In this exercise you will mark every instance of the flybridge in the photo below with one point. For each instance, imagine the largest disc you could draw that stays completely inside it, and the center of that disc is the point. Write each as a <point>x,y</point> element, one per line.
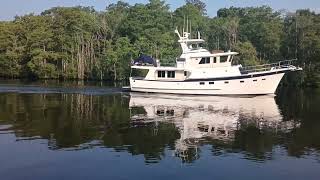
<point>188,44</point>
<point>192,50</point>
<point>195,56</point>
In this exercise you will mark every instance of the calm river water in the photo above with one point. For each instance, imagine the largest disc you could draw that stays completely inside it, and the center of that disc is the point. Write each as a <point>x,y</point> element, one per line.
<point>76,131</point>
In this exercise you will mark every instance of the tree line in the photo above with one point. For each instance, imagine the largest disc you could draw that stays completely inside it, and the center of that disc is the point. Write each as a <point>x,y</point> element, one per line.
<point>82,43</point>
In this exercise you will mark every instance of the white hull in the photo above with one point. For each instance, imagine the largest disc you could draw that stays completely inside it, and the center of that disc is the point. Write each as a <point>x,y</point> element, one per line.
<point>266,84</point>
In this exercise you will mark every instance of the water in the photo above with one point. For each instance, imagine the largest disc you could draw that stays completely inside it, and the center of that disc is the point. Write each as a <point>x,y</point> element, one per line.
<point>72,131</point>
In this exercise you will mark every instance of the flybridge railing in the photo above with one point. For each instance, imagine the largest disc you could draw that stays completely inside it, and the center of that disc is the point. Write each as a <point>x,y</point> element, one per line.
<point>267,67</point>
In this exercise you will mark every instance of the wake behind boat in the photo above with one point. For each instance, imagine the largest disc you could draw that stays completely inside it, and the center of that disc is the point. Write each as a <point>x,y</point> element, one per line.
<point>198,71</point>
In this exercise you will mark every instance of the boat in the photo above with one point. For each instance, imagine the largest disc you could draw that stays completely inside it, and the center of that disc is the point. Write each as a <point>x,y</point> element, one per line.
<point>199,71</point>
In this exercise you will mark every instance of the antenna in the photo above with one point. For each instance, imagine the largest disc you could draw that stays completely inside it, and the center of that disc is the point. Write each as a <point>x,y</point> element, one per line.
<point>177,32</point>
<point>187,23</point>
<point>184,24</point>
<point>190,30</point>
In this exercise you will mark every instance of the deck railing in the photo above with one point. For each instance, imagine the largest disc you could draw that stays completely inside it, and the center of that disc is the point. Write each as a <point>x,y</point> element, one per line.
<point>267,67</point>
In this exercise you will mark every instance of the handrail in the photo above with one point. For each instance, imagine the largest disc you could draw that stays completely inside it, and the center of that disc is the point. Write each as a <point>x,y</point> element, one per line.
<point>266,67</point>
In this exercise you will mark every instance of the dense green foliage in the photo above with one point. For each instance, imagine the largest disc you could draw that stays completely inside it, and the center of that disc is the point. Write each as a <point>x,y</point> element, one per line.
<point>81,43</point>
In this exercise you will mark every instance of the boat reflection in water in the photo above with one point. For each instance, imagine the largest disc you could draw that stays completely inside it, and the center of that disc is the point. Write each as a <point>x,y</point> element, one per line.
<point>204,119</point>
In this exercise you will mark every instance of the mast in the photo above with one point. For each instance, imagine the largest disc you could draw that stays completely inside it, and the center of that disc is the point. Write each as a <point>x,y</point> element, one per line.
<point>187,24</point>
<point>184,24</point>
<point>190,30</point>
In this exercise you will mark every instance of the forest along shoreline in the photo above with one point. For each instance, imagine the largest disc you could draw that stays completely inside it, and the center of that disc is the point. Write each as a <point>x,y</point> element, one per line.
<point>80,43</point>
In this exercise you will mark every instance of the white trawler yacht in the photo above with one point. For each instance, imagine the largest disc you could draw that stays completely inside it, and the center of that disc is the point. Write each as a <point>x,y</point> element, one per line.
<point>198,71</point>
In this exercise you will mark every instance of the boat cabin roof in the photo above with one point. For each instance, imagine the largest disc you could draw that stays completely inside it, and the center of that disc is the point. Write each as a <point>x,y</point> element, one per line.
<point>224,54</point>
<point>159,68</point>
<point>208,54</point>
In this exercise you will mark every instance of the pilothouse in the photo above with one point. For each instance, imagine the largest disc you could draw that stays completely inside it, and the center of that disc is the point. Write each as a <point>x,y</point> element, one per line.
<point>199,71</point>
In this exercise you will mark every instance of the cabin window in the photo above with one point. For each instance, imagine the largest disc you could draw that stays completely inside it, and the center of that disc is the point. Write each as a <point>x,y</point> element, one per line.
<point>255,80</point>
<point>263,79</point>
<point>223,59</point>
<point>171,74</point>
<point>214,59</point>
<point>241,81</point>
<point>205,60</point>
<point>195,46</point>
<point>181,59</point>
<point>161,74</point>
<point>201,83</point>
<point>185,73</point>
<point>231,58</point>
<point>211,82</point>
<point>226,82</point>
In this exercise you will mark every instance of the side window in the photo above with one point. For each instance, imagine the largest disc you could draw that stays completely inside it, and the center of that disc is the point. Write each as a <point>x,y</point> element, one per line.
<point>223,59</point>
<point>171,74</point>
<point>185,73</point>
<point>205,60</point>
<point>161,74</point>
<point>214,59</point>
<point>208,60</point>
<point>231,58</point>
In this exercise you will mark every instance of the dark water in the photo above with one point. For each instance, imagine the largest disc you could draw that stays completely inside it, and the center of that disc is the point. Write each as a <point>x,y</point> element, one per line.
<point>97,132</point>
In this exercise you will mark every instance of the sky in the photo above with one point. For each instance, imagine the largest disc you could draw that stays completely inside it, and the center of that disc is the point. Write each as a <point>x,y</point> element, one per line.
<point>11,8</point>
